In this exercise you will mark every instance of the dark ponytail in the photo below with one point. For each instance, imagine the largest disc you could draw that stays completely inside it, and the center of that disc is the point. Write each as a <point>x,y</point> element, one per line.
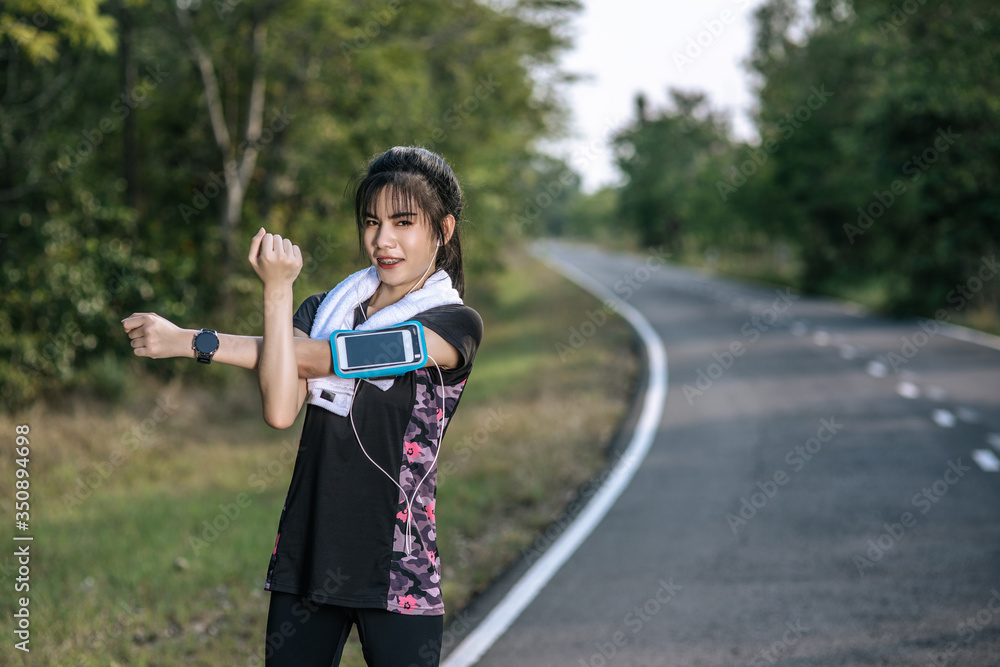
<point>417,176</point>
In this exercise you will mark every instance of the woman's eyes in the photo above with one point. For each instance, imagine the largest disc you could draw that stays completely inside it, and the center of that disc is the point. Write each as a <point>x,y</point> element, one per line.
<point>404,223</point>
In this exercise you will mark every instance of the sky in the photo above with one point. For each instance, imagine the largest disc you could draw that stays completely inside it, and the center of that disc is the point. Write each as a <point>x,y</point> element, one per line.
<point>624,47</point>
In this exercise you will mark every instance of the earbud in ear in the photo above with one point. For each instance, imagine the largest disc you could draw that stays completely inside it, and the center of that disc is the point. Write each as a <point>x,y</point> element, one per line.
<point>439,242</point>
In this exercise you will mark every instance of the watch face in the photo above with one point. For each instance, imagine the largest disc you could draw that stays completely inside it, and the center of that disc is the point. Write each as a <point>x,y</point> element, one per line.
<point>206,342</point>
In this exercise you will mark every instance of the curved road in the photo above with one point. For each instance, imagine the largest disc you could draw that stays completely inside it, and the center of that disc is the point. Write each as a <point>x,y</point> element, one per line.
<point>821,489</point>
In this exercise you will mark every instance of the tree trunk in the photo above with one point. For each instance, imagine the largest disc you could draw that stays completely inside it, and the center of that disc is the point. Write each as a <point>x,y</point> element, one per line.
<point>130,160</point>
<point>238,168</point>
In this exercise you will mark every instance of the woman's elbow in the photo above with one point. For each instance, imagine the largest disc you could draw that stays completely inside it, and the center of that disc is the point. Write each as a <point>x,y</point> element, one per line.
<point>278,419</point>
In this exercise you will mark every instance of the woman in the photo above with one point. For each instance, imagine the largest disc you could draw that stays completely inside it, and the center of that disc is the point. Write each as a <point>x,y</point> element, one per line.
<point>356,540</point>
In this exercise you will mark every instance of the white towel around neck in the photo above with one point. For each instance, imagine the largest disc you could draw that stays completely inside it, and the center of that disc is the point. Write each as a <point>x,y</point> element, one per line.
<point>337,312</point>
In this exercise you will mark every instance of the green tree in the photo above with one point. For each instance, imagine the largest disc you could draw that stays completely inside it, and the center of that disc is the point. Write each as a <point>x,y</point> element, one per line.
<point>670,161</point>
<point>35,29</point>
<point>128,180</point>
<point>891,184</point>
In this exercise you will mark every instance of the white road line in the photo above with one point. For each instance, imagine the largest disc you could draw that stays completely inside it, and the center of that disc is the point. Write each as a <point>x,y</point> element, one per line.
<point>848,352</point>
<point>994,440</point>
<point>943,418</point>
<point>936,393</point>
<point>877,369</point>
<point>987,460</point>
<point>527,588</point>
<point>971,335</point>
<point>908,390</point>
<point>968,415</point>
<point>821,338</point>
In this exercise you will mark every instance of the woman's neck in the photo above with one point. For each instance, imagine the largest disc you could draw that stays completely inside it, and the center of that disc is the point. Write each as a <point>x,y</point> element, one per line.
<point>386,295</point>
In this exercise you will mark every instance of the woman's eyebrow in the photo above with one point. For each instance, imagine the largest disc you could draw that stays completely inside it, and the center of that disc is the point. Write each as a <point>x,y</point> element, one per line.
<point>402,214</point>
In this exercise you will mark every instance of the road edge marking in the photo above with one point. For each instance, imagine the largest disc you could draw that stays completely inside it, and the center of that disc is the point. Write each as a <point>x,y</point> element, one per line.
<point>974,336</point>
<point>503,615</point>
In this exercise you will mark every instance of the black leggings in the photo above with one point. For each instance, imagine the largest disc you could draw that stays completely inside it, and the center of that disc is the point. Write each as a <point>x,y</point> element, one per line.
<point>303,633</point>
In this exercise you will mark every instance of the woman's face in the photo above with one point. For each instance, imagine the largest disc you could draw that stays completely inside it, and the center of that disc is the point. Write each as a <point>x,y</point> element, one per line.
<point>400,241</point>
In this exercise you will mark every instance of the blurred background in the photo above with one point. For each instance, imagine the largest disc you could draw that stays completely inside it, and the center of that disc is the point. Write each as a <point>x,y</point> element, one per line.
<point>848,149</point>
<point>144,142</point>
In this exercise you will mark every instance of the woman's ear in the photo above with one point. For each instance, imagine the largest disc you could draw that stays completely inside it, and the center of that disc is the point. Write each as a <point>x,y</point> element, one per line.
<point>447,228</point>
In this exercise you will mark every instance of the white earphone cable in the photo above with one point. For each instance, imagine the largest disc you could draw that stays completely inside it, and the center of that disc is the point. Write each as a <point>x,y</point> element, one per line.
<point>410,499</point>
<point>350,414</point>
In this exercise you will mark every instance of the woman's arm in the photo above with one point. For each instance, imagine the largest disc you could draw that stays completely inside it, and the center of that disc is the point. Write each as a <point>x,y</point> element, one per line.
<point>278,262</point>
<point>438,349</point>
<point>158,338</point>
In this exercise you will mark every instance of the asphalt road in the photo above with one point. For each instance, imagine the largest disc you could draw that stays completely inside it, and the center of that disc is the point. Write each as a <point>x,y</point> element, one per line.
<point>818,492</point>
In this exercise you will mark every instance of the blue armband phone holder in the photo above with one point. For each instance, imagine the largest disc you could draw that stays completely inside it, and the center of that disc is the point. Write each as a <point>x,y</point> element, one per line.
<point>390,351</point>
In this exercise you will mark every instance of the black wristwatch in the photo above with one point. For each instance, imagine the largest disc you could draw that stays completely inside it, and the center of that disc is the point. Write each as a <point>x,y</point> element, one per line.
<point>205,344</point>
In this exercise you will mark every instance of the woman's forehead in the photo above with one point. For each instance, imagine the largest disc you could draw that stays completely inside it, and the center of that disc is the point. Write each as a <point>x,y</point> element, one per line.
<point>392,200</point>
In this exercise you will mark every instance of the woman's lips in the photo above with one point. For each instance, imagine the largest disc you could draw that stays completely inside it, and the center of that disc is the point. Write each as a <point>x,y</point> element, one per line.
<point>388,262</point>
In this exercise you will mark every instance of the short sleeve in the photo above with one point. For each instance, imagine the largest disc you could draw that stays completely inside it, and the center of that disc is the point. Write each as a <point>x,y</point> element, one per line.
<point>462,328</point>
<point>304,316</point>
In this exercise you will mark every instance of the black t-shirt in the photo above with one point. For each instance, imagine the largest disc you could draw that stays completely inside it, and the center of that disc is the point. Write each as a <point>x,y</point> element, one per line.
<point>345,536</point>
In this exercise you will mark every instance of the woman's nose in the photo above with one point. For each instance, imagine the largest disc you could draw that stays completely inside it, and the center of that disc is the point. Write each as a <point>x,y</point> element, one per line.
<point>384,238</point>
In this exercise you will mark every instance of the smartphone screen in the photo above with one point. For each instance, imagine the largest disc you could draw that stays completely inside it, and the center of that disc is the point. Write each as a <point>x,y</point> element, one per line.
<point>383,352</point>
<point>375,349</point>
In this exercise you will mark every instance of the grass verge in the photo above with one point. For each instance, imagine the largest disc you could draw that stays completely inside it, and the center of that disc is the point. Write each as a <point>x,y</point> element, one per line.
<point>153,520</point>
<point>777,265</point>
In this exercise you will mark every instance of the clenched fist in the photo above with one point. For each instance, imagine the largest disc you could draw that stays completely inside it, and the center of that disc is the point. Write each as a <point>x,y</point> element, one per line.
<point>276,260</point>
<point>156,337</point>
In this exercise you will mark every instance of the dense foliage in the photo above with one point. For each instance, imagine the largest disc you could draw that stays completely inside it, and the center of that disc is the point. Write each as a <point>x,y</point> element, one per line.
<point>878,165</point>
<point>143,143</point>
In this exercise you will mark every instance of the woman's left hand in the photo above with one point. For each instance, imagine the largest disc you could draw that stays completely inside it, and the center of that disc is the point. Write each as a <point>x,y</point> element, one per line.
<point>276,260</point>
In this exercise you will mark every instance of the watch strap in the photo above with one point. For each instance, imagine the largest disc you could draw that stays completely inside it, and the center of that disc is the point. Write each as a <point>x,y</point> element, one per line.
<point>205,357</point>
